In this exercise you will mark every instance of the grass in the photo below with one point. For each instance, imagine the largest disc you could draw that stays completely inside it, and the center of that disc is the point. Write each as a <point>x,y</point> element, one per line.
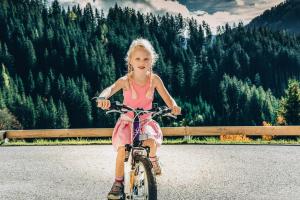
<point>68,141</point>
<point>216,140</point>
<point>179,140</point>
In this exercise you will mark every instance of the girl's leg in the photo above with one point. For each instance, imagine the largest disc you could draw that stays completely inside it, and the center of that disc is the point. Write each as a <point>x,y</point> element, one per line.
<point>120,163</point>
<point>116,191</point>
<point>152,155</point>
<point>152,144</point>
<point>121,156</point>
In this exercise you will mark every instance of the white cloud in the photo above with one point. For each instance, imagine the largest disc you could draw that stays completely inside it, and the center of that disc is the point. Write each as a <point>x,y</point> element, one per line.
<point>244,10</point>
<point>240,2</point>
<point>219,18</point>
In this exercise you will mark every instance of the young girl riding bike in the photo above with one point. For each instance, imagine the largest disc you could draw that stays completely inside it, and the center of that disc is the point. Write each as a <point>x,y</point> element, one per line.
<point>138,91</point>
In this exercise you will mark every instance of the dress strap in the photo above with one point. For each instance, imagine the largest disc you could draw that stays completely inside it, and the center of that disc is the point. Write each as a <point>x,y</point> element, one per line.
<point>149,93</point>
<point>133,92</point>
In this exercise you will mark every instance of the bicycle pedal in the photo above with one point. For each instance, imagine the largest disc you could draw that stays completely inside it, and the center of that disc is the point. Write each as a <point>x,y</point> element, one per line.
<point>121,198</point>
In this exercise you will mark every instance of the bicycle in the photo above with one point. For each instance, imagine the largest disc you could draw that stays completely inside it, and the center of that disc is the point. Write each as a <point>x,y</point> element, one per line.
<point>139,176</point>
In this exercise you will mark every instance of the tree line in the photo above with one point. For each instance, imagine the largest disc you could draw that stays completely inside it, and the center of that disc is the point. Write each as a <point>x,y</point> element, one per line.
<point>54,60</point>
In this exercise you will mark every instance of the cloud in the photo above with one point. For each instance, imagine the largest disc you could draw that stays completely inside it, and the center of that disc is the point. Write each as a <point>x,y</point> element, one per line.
<point>240,2</point>
<point>232,11</point>
<point>214,12</point>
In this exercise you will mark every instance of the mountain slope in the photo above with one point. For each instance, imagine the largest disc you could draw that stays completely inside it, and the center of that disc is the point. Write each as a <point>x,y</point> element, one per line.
<point>285,16</point>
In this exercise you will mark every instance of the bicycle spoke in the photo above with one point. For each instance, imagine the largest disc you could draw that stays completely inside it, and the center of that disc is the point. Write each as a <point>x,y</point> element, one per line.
<point>141,183</point>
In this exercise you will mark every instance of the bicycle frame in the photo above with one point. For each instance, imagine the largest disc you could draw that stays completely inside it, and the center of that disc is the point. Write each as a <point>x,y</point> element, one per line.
<point>135,148</point>
<point>131,150</point>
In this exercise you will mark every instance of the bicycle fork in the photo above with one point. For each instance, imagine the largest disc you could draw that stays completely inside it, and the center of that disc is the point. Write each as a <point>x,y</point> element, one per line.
<point>128,172</point>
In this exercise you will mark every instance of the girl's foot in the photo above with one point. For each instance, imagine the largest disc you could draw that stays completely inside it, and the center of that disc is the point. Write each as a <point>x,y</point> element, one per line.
<point>116,191</point>
<point>156,165</point>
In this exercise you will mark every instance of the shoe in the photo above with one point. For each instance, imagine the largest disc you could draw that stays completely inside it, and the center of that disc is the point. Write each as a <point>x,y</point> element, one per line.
<point>156,166</point>
<point>116,191</point>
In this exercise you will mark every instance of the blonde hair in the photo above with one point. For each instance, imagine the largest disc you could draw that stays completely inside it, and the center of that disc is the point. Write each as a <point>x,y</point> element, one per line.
<point>144,43</point>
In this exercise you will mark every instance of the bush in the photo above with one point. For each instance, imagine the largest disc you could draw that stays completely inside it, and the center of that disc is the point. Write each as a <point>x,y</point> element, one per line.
<point>8,121</point>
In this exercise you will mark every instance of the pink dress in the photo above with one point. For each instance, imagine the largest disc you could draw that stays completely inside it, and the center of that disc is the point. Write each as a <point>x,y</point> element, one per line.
<point>122,133</point>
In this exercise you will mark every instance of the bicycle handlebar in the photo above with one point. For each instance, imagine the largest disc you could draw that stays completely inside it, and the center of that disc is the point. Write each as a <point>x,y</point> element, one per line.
<point>120,108</point>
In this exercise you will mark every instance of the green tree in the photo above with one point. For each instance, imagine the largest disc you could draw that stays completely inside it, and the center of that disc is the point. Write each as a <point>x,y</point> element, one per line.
<point>42,113</point>
<point>30,83</point>
<point>4,79</point>
<point>52,114</point>
<point>178,79</point>
<point>290,103</point>
<point>25,112</point>
<point>2,102</point>
<point>62,116</point>
<point>47,85</point>
<point>29,55</point>
<point>8,120</point>
<point>40,83</point>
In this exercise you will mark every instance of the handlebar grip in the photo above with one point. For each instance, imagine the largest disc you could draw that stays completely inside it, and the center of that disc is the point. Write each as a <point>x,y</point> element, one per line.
<point>115,104</point>
<point>167,110</point>
<point>118,106</point>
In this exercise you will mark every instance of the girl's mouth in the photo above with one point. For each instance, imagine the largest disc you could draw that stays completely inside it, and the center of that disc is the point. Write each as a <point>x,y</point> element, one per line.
<point>141,67</point>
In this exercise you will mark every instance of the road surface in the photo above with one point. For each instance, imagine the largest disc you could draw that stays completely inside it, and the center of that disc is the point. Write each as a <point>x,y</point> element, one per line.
<point>189,172</point>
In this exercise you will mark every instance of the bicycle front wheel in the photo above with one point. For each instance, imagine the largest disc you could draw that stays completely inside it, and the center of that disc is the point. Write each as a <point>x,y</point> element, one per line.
<point>144,187</point>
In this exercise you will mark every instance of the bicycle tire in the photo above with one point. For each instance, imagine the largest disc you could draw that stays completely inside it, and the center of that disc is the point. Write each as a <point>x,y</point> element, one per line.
<point>152,185</point>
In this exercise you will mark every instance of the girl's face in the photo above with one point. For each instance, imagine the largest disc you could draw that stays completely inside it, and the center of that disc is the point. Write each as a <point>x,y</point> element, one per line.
<point>140,60</point>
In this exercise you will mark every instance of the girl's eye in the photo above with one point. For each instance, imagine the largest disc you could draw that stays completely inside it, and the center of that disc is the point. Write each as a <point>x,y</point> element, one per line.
<point>146,59</point>
<point>137,58</point>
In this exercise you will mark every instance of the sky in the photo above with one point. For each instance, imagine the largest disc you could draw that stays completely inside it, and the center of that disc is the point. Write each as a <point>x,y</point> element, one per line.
<point>214,12</point>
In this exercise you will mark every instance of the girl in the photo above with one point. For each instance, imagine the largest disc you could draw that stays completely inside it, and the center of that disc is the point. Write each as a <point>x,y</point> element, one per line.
<point>138,91</point>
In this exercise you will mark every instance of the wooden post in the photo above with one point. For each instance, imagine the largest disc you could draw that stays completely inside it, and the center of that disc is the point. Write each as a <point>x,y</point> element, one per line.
<point>2,136</point>
<point>187,136</point>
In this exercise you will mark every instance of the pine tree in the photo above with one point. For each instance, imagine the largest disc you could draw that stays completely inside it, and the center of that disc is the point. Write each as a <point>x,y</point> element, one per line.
<point>19,84</point>
<point>85,109</point>
<point>56,9</point>
<point>47,88</point>
<point>61,87</point>
<point>30,83</point>
<point>6,58</point>
<point>2,102</point>
<point>62,116</point>
<point>42,114</point>
<point>52,115</point>
<point>4,79</point>
<point>178,79</point>
<point>29,55</point>
<point>26,113</point>
<point>40,83</point>
<point>290,104</point>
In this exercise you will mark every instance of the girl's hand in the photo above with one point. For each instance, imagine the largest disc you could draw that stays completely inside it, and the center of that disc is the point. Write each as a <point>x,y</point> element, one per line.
<point>176,110</point>
<point>103,104</point>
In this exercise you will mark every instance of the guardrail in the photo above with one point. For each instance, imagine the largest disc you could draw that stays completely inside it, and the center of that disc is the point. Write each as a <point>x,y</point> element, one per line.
<point>167,131</point>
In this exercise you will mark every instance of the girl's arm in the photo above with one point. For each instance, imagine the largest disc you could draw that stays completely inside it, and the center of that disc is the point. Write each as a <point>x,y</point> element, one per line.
<point>111,90</point>
<point>108,92</point>
<point>163,92</point>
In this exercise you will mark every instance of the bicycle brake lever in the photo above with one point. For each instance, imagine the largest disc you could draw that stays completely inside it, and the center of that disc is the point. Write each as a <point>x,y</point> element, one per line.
<point>170,115</point>
<point>97,98</point>
<point>110,111</point>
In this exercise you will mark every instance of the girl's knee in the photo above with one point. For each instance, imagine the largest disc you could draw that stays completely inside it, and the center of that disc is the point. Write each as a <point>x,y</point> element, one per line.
<point>121,150</point>
<point>149,142</point>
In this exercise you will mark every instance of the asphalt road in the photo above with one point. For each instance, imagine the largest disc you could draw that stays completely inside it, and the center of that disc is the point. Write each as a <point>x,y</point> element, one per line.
<point>189,172</point>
